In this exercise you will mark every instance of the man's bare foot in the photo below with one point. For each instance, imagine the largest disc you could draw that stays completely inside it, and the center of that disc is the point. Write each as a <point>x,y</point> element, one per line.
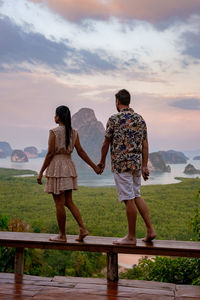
<point>125,241</point>
<point>82,235</point>
<point>150,236</point>
<point>58,238</point>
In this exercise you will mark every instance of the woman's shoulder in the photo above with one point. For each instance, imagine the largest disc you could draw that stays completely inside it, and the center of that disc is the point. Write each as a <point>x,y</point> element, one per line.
<point>57,129</point>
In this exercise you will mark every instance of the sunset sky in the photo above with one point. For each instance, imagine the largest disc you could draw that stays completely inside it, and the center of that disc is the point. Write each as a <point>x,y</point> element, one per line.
<point>80,53</point>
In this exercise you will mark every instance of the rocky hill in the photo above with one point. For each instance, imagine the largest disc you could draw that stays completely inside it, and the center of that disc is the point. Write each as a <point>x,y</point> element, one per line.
<point>18,156</point>
<point>91,133</point>
<point>31,152</point>
<point>173,157</point>
<point>157,164</point>
<point>5,149</point>
<point>190,170</point>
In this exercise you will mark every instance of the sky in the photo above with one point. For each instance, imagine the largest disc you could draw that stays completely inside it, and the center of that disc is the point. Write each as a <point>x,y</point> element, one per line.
<point>80,53</point>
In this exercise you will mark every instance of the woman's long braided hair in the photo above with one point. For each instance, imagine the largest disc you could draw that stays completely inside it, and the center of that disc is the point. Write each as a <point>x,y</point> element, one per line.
<point>64,115</point>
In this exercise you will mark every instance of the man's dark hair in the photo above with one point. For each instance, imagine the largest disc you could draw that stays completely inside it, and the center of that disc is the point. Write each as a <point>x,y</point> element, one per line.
<point>124,97</point>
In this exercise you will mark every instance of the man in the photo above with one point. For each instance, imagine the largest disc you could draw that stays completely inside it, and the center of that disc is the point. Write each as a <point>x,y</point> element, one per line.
<point>126,134</point>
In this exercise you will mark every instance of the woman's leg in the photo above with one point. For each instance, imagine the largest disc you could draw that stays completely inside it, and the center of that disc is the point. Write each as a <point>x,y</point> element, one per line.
<point>76,214</point>
<point>61,216</point>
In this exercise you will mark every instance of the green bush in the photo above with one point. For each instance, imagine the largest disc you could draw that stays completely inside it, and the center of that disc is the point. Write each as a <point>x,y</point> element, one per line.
<point>179,270</point>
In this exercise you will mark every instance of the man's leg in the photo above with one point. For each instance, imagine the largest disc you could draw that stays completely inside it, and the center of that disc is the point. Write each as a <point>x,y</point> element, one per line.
<point>143,210</point>
<point>61,217</point>
<point>131,213</point>
<point>76,214</point>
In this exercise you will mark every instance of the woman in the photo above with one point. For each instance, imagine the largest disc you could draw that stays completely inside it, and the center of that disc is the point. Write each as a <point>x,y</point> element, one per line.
<point>61,175</point>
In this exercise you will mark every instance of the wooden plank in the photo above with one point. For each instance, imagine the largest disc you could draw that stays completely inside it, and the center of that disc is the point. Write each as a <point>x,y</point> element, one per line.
<point>64,279</point>
<point>187,292</point>
<point>147,284</point>
<point>100,244</point>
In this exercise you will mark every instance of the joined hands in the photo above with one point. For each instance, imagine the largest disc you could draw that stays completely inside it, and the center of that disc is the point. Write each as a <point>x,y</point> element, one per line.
<point>98,170</point>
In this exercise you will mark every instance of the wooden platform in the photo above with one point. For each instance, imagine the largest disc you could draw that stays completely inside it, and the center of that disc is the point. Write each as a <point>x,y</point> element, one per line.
<point>100,244</point>
<point>72,288</point>
<point>21,240</point>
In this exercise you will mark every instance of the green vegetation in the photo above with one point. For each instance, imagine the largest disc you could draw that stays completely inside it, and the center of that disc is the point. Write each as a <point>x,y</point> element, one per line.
<point>179,270</point>
<point>171,208</point>
<point>7,173</point>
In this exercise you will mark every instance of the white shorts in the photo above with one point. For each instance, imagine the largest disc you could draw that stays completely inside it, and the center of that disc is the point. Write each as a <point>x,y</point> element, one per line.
<point>128,184</point>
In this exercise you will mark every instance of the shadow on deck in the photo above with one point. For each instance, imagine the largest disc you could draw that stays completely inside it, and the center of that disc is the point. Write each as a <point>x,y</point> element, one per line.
<point>76,288</point>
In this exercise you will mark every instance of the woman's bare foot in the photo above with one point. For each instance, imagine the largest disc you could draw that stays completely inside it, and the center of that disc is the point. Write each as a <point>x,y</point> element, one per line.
<point>125,241</point>
<point>82,235</point>
<point>150,236</point>
<point>58,238</point>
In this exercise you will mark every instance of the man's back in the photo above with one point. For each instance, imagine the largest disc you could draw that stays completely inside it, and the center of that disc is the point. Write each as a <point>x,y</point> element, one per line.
<point>126,131</point>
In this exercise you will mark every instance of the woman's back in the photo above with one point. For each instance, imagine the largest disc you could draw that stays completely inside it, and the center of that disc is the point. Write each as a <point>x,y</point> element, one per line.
<point>60,140</point>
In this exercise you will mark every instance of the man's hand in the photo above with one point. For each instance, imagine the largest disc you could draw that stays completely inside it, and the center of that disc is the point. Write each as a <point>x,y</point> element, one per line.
<point>39,178</point>
<point>101,165</point>
<point>145,173</point>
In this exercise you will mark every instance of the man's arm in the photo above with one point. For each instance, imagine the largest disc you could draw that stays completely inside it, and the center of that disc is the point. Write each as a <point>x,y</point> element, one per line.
<point>104,152</point>
<point>145,156</point>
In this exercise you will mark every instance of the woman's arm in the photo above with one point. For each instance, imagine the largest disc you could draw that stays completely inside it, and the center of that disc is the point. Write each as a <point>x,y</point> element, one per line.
<point>48,157</point>
<point>84,156</point>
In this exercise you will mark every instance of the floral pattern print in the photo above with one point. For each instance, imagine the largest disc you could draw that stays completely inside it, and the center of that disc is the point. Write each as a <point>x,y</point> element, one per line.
<point>126,131</point>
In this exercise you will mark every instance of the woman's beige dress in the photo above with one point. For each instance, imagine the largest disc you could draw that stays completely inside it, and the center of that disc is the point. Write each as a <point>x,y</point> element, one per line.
<point>61,173</point>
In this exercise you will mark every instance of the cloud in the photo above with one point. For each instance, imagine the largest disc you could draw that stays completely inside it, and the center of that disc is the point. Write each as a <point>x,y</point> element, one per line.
<point>150,10</point>
<point>187,104</point>
<point>18,46</point>
<point>191,44</point>
<point>95,45</point>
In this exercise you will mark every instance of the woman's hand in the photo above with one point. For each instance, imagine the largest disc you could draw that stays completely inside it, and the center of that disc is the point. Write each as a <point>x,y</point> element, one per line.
<point>39,178</point>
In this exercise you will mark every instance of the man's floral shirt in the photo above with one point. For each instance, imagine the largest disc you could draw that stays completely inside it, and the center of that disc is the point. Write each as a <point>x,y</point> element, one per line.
<point>126,131</point>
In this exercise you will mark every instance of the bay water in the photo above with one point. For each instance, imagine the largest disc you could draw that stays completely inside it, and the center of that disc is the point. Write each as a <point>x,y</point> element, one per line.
<point>89,178</point>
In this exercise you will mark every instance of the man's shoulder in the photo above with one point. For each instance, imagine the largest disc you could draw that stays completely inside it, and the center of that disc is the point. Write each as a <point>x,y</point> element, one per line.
<point>138,116</point>
<point>121,114</point>
<point>116,116</point>
<point>113,117</point>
